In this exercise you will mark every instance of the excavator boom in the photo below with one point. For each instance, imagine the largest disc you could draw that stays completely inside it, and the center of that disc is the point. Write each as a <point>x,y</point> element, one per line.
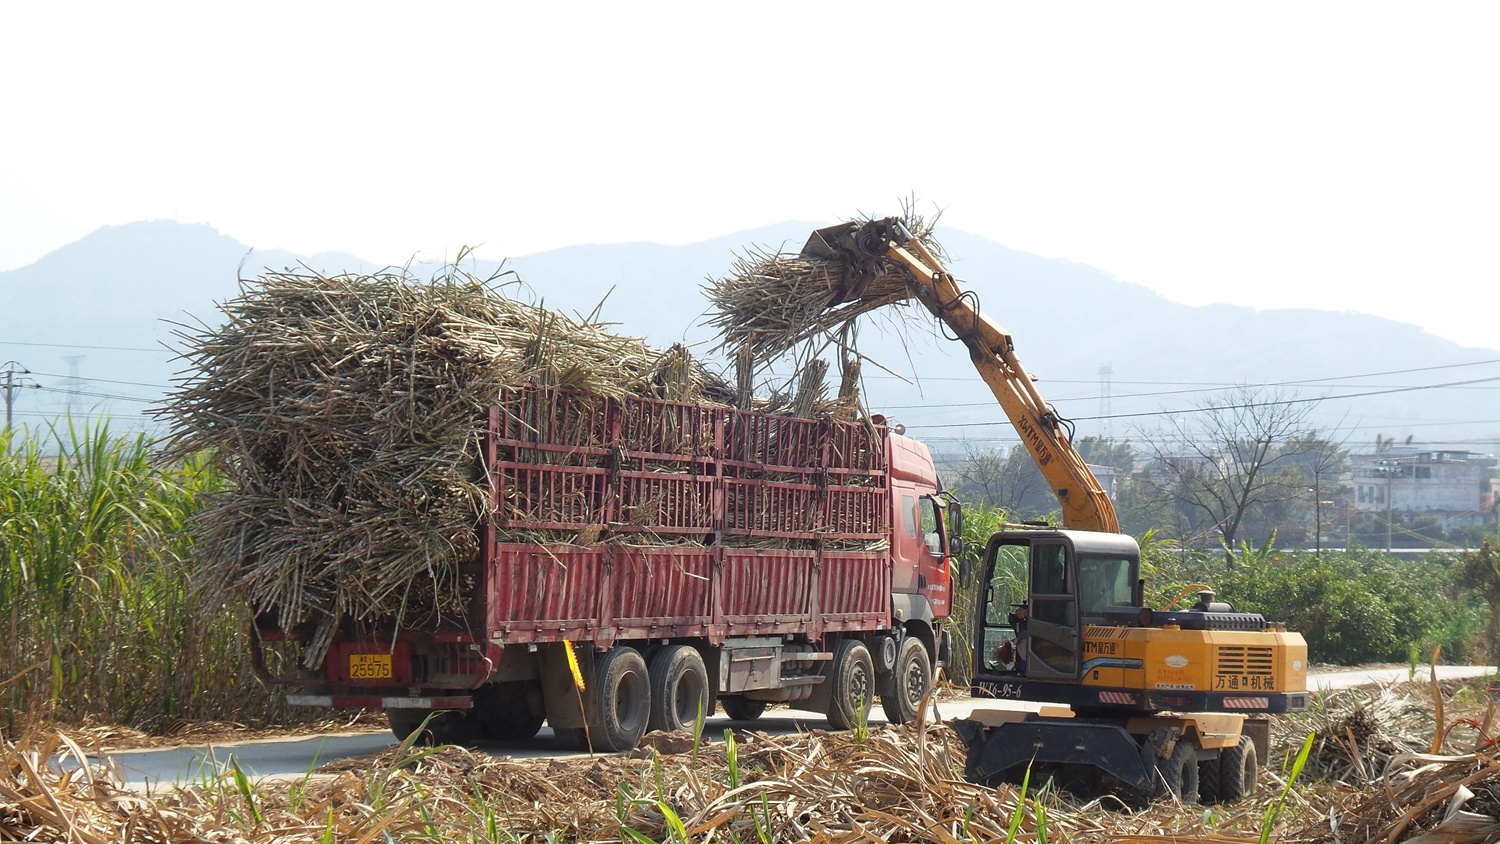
<point>863,247</point>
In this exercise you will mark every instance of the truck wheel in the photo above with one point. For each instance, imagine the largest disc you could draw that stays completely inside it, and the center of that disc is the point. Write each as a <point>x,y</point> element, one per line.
<point>913,681</point>
<point>443,728</point>
<point>1238,770</point>
<point>852,682</point>
<point>741,708</point>
<point>1179,772</point>
<point>404,722</point>
<point>679,689</point>
<point>621,700</point>
<point>511,711</point>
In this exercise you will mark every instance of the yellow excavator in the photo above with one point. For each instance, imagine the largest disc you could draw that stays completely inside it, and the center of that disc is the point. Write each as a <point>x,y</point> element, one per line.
<point>1135,701</point>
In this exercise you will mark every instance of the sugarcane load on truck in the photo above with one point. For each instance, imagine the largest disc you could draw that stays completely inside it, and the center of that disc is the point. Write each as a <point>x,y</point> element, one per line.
<point>442,499</point>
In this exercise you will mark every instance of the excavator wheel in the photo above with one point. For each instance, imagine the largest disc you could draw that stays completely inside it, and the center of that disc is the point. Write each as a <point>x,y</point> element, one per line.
<point>1238,770</point>
<point>1230,776</point>
<point>1179,771</point>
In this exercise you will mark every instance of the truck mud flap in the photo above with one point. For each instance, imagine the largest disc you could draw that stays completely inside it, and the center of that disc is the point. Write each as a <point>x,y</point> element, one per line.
<point>1003,752</point>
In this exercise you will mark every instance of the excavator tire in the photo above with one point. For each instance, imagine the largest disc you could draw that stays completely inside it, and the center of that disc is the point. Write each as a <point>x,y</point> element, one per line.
<point>1238,770</point>
<point>1208,780</point>
<point>1179,771</point>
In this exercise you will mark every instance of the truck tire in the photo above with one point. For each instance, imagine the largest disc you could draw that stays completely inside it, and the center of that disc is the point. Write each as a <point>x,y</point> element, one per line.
<point>679,689</point>
<point>443,728</point>
<point>1179,771</point>
<point>620,701</point>
<point>913,682</point>
<point>511,711</point>
<point>741,708</point>
<point>1238,770</point>
<point>852,685</point>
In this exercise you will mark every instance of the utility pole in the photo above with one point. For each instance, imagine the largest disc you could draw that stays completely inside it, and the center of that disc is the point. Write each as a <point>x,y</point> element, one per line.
<point>14,383</point>
<point>1389,468</point>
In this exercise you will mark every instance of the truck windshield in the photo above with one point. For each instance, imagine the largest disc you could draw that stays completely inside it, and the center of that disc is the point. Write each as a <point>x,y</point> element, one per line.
<point>1103,582</point>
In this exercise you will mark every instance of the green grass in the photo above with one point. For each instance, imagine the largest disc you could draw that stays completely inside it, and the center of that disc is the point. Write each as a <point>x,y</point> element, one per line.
<point>100,614</point>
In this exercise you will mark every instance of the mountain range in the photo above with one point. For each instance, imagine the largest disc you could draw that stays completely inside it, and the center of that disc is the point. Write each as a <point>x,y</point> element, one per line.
<point>94,323</point>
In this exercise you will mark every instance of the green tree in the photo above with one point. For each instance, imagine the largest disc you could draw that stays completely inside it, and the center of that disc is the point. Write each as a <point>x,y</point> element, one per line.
<point>1481,572</point>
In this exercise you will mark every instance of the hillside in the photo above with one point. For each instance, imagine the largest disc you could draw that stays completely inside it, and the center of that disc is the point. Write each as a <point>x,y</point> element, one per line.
<point>112,296</point>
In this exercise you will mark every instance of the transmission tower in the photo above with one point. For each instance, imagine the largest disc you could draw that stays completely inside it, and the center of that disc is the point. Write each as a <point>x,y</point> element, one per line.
<point>1106,372</point>
<point>73,385</point>
<point>14,379</point>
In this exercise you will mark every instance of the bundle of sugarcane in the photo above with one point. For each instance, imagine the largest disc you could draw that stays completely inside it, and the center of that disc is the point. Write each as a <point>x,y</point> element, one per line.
<point>347,414</point>
<point>773,301</point>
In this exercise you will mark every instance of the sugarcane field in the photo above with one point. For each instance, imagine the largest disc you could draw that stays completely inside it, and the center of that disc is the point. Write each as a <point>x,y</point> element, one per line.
<point>435,511</point>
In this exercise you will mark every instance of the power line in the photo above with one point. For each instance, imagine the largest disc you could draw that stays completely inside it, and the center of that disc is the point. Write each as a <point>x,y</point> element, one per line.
<point>1245,406</point>
<point>109,381</point>
<point>74,346</point>
<point>97,395</point>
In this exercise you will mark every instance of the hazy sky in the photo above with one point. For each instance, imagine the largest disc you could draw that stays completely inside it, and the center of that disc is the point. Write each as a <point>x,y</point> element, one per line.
<point>1327,155</point>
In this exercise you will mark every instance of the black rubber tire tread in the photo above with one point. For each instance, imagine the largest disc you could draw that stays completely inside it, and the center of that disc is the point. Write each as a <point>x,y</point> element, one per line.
<point>511,711</point>
<point>1238,771</point>
<point>675,672</point>
<point>853,682</point>
<point>574,738</point>
<point>741,708</point>
<point>911,662</point>
<point>443,728</point>
<point>1208,781</point>
<point>404,722</point>
<point>1179,771</point>
<point>620,700</point>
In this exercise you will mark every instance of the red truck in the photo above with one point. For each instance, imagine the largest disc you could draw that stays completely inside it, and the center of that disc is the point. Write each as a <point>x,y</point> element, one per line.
<point>687,555</point>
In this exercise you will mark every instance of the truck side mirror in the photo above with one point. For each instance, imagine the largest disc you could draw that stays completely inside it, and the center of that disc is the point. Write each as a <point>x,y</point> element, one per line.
<point>956,533</point>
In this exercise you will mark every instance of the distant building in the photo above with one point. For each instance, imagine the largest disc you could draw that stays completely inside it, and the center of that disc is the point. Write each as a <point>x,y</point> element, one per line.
<point>1453,487</point>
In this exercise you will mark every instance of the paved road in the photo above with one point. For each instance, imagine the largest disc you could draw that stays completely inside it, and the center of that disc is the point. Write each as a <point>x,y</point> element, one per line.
<point>291,758</point>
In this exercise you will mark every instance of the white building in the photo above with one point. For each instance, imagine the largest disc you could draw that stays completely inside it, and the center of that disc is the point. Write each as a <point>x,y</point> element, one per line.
<point>1453,487</point>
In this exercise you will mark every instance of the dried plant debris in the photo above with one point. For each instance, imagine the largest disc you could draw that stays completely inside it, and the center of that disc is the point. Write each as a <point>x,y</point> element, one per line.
<point>891,784</point>
<point>770,302</point>
<point>883,784</point>
<point>347,413</point>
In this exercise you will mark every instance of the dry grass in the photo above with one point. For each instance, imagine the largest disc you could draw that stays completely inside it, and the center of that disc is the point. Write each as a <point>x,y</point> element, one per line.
<point>892,784</point>
<point>770,302</point>
<point>347,413</point>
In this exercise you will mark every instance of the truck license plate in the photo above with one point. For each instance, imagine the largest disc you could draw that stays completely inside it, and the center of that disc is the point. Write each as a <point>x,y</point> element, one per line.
<point>369,666</point>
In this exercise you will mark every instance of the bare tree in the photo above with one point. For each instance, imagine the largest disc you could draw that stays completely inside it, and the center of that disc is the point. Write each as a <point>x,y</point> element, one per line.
<point>1229,458</point>
<point>1011,482</point>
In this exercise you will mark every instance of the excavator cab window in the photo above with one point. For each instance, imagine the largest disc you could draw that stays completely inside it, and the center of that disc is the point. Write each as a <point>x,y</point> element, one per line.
<point>1004,598</point>
<point>1104,582</point>
<point>1049,635</point>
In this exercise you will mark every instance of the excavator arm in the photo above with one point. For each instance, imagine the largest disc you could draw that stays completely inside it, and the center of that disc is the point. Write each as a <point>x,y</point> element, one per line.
<point>864,247</point>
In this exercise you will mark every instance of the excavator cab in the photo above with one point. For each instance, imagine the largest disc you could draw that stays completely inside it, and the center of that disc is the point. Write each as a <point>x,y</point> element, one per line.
<point>1041,589</point>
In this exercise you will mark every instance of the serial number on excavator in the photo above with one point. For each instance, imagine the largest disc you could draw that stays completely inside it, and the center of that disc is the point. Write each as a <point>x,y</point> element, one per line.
<point>1244,682</point>
<point>369,666</point>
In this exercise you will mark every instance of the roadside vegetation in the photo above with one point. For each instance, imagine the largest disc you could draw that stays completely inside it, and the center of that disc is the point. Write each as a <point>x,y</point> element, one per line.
<point>101,621</point>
